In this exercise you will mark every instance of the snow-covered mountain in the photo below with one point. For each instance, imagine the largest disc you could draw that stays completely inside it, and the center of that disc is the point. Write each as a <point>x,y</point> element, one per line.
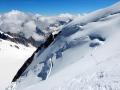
<point>32,28</point>
<point>20,34</point>
<point>84,55</point>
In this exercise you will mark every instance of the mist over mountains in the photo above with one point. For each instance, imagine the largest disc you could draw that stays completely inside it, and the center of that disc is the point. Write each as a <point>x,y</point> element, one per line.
<point>32,28</point>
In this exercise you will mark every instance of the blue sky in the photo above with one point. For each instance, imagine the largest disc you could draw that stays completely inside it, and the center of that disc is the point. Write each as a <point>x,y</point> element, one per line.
<point>53,7</point>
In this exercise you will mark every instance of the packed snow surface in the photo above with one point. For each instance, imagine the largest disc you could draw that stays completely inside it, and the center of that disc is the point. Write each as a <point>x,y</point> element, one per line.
<point>12,56</point>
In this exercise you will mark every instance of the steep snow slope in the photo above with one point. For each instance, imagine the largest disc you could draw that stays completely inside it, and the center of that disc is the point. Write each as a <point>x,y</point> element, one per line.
<point>84,56</point>
<point>12,56</point>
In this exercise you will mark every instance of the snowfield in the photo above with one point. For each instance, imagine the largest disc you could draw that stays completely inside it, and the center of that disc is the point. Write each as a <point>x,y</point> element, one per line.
<point>84,56</point>
<point>12,56</point>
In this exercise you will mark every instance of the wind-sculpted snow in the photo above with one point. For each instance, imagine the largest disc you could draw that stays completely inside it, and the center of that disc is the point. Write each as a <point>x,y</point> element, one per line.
<point>88,46</point>
<point>96,15</point>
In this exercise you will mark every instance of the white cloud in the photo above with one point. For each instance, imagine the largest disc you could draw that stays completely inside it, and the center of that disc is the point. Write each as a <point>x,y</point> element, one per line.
<point>16,21</point>
<point>29,28</point>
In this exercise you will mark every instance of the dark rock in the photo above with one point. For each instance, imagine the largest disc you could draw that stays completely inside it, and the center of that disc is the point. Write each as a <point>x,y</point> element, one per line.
<point>3,36</point>
<point>16,47</point>
<point>40,49</point>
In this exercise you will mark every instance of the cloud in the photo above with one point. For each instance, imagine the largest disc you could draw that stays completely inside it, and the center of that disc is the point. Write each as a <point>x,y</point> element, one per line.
<point>19,22</point>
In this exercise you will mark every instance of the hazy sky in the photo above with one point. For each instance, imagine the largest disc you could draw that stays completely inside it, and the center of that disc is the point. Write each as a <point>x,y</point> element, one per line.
<point>52,7</point>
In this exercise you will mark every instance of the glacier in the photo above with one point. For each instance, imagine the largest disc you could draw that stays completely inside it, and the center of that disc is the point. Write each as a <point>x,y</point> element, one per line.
<point>84,55</point>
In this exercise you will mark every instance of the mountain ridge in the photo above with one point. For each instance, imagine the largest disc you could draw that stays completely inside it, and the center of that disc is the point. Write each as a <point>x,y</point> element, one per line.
<point>83,47</point>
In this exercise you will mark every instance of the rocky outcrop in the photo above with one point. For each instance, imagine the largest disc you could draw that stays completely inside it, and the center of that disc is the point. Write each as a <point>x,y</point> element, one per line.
<point>40,49</point>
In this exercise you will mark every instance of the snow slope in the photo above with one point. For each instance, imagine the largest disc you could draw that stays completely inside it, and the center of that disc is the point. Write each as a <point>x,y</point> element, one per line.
<point>84,56</point>
<point>12,56</point>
